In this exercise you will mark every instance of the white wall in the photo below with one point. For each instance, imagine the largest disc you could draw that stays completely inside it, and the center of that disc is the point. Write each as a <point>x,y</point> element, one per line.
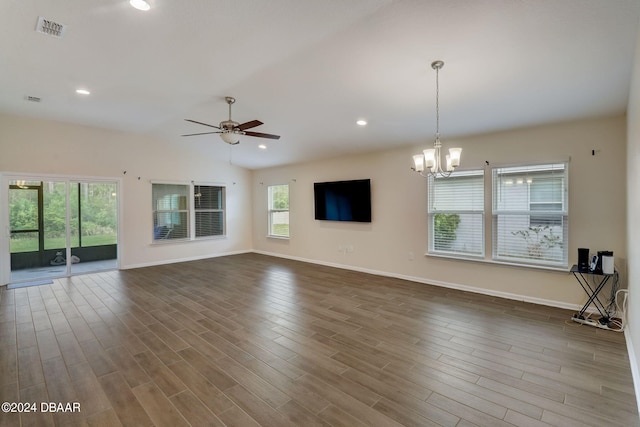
<point>633,223</point>
<point>395,241</point>
<point>34,147</point>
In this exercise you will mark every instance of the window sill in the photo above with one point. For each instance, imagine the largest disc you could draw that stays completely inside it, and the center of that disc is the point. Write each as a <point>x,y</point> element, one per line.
<point>497,262</point>
<point>168,241</point>
<point>195,239</point>
<point>199,239</point>
<point>271,236</point>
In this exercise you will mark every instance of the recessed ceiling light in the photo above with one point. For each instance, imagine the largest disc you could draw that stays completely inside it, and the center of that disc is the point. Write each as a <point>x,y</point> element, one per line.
<point>262,147</point>
<point>140,4</point>
<point>83,92</point>
<point>361,122</point>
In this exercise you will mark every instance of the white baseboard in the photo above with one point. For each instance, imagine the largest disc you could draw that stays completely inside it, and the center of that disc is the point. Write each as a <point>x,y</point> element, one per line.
<point>173,261</point>
<point>457,286</point>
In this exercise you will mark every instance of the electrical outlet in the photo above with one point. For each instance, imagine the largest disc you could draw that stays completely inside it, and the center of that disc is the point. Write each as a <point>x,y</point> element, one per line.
<point>411,256</point>
<point>349,249</point>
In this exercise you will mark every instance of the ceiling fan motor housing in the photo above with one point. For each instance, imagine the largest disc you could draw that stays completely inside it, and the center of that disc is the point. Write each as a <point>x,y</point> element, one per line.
<point>229,125</point>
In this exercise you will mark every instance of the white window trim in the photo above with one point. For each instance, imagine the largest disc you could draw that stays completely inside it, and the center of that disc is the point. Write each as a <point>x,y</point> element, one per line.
<point>271,211</point>
<point>546,265</point>
<point>489,226</point>
<point>453,254</point>
<point>155,241</point>
<point>223,210</point>
<point>192,213</point>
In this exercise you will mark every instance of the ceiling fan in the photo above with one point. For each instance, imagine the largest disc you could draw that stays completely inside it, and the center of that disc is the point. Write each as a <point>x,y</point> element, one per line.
<point>230,130</point>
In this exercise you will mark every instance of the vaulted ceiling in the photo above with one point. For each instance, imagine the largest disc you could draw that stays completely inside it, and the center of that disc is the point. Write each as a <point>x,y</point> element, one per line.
<point>310,69</point>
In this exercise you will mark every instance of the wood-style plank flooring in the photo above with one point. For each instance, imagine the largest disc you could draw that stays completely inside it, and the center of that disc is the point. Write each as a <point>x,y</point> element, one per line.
<point>251,340</point>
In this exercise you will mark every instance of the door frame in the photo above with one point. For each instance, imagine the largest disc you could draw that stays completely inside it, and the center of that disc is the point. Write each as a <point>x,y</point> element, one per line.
<point>5,231</point>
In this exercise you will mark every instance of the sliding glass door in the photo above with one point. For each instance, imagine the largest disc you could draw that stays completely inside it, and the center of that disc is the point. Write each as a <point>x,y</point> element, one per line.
<point>94,226</point>
<point>61,227</point>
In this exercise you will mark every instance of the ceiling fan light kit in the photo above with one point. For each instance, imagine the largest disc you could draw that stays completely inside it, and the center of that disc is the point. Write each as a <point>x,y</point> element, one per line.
<point>230,130</point>
<point>430,158</point>
<point>230,137</point>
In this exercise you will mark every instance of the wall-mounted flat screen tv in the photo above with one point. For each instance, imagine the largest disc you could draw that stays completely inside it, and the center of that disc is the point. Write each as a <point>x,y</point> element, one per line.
<point>343,200</point>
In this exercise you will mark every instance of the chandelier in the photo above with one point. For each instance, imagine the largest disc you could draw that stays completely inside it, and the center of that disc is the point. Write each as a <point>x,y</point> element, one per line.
<point>430,158</point>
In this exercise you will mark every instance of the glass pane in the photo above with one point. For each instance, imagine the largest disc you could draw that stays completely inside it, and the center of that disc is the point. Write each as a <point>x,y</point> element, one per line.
<point>24,242</point>
<point>98,213</point>
<point>516,188</point>
<point>457,193</point>
<point>208,197</point>
<point>546,218</point>
<point>279,197</point>
<point>458,233</point>
<point>74,219</point>
<point>546,188</point>
<point>209,223</point>
<point>517,239</point>
<point>54,201</point>
<point>168,197</point>
<point>170,215</point>
<point>38,245</point>
<point>279,224</point>
<point>170,225</point>
<point>530,224</point>
<point>23,210</point>
<point>456,206</point>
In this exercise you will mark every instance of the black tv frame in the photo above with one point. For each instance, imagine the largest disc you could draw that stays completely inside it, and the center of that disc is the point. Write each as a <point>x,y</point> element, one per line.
<point>347,201</point>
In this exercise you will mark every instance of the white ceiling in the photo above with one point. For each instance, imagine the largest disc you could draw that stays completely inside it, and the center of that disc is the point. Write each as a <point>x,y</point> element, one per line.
<point>309,69</point>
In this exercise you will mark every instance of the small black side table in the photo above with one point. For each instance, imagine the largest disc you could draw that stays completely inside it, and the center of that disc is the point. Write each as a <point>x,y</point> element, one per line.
<point>592,292</point>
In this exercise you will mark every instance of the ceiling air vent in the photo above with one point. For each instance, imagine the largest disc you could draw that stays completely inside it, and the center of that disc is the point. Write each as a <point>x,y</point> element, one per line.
<point>49,27</point>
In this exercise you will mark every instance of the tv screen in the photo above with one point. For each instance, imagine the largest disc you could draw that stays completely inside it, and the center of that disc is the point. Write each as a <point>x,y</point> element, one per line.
<point>343,200</point>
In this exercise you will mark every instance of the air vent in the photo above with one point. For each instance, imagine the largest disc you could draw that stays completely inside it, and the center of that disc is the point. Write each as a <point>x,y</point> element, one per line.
<point>46,26</point>
<point>32,98</point>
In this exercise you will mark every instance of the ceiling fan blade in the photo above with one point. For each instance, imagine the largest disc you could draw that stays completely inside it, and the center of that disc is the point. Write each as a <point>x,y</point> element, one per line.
<point>200,123</point>
<point>249,125</point>
<point>262,135</point>
<point>204,133</point>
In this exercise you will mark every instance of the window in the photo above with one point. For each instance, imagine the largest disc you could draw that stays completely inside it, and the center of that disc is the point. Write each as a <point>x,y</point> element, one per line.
<point>278,210</point>
<point>530,214</point>
<point>175,218</point>
<point>208,204</point>
<point>456,214</point>
<point>170,211</point>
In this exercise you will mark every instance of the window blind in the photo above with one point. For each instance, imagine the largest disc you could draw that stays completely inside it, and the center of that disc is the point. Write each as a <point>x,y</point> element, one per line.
<point>209,210</point>
<point>170,211</point>
<point>530,214</point>
<point>456,214</point>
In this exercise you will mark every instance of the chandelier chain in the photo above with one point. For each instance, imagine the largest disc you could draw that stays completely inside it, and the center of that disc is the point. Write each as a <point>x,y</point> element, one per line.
<point>437,103</point>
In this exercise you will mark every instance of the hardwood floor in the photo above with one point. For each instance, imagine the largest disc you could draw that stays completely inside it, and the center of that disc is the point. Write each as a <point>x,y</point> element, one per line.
<point>250,340</point>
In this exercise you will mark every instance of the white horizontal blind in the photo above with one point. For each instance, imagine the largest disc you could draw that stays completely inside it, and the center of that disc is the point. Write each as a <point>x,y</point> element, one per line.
<point>209,210</point>
<point>278,196</point>
<point>530,214</point>
<point>170,211</point>
<point>456,214</point>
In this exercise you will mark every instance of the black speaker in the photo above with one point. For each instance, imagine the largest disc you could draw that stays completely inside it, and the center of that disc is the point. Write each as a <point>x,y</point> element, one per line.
<point>583,259</point>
